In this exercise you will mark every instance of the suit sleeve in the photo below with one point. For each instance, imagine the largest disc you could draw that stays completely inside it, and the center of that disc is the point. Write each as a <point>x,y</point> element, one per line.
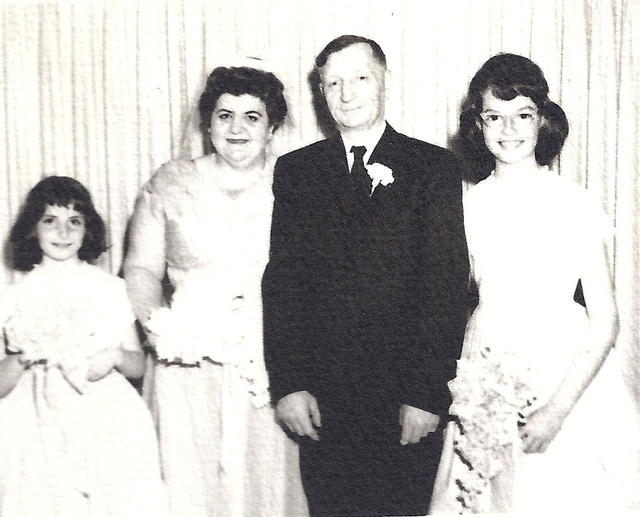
<point>286,311</point>
<point>444,297</point>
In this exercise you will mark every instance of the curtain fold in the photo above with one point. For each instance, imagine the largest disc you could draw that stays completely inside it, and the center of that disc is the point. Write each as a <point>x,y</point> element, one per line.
<point>102,90</point>
<point>625,167</point>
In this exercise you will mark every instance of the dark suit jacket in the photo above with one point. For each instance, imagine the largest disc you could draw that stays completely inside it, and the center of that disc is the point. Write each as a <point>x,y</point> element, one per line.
<point>364,297</point>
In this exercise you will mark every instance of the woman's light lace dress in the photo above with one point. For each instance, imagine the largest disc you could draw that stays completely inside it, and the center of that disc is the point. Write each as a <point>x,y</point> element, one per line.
<point>222,451</point>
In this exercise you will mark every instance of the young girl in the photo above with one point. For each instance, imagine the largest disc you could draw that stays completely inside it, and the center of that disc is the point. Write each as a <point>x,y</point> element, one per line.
<point>542,419</point>
<point>75,438</point>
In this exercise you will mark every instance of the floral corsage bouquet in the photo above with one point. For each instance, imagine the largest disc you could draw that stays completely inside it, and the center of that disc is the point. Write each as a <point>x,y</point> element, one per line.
<point>217,329</point>
<point>63,337</point>
<point>491,400</point>
<point>186,337</point>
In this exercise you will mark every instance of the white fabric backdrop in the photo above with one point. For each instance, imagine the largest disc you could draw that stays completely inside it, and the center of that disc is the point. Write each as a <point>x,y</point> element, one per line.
<point>101,90</point>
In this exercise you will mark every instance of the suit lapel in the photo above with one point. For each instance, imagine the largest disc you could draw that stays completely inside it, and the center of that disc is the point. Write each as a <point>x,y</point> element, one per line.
<point>384,151</point>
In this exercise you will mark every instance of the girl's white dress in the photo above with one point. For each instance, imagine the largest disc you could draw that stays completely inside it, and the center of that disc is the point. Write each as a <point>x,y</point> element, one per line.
<point>222,451</point>
<point>69,446</point>
<point>530,239</point>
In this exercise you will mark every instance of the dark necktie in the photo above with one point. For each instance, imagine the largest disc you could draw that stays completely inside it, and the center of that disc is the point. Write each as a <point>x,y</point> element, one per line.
<point>358,171</point>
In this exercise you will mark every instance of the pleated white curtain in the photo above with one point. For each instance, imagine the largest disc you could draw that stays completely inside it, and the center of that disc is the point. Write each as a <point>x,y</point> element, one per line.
<point>101,90</point>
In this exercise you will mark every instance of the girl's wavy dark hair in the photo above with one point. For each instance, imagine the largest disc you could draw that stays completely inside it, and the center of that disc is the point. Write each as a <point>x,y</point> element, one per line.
<point>506,76</point>
<point>55,191</point>
<point>240,81</point>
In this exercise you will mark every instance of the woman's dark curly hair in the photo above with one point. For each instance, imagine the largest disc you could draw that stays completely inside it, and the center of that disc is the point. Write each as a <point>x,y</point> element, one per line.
<point>506,76</point>
<point>240,81</point>
<point>55,191</point>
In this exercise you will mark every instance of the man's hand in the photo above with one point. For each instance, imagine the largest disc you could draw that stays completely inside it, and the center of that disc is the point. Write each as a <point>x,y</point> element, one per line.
<point>299,412</point>
<point>416,423</point>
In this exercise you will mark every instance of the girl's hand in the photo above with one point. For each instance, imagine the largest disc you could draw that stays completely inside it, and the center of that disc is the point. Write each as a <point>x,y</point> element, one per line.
<point>151,339</point>
<point>541,428</point>
<point>11,369</point>
<point>26,359</point>
<point>103,362</point>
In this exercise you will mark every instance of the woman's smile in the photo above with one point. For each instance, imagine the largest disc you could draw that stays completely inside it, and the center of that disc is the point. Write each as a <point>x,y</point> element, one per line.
<point>511,144</point>
<point>240,130</point>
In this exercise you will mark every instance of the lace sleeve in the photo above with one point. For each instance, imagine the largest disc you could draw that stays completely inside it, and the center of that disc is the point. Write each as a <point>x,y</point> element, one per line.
<point>146,238</point>
<point>6,307</point>
<point>145,262</point>
<point>123,317</point>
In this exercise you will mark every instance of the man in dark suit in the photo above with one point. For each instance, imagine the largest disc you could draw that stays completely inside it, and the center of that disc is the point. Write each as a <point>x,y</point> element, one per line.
<point>364,298</point>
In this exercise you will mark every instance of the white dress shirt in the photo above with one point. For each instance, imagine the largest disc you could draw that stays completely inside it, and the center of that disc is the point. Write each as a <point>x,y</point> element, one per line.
<point>369,139</point>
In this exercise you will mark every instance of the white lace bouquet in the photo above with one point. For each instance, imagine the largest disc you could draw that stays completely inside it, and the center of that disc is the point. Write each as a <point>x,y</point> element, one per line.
<point>57,333</point>
<point>195,327</point>
<point>221,325</point>
<point>491,399</point>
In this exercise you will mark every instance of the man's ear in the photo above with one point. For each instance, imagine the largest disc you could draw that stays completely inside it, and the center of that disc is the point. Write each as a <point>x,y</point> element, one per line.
<point>387,87</point>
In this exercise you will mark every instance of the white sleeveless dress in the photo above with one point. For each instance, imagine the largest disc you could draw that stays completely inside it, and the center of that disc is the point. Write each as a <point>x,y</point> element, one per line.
<point>530,239</point>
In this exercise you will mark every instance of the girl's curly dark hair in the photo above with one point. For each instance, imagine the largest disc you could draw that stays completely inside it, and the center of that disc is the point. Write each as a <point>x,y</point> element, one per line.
<point>55,191</point>
<point>506,76</point>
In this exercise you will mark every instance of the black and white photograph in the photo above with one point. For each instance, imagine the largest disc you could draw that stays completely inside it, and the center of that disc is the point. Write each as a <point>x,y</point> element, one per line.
<point>333,258</point>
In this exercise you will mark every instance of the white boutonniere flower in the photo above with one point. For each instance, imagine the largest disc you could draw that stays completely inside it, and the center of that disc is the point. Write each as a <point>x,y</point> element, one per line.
<point>380,175</point>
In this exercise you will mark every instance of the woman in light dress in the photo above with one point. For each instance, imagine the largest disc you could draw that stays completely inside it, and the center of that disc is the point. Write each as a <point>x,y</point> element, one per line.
<point>535,407</point>
<point>75,437</point>
<point>205,223</point>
